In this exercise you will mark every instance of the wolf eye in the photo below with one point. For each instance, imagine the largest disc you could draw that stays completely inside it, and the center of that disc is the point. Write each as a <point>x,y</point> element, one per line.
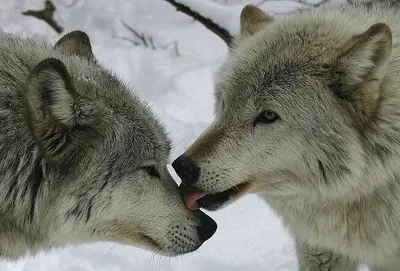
<point>152,171</point>
<point>268,116</point>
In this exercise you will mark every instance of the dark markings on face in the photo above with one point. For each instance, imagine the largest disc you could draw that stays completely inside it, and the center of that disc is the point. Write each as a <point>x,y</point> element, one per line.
<point>110,167</point>
<point>36,179</point>
<point>23,194</point>
<point>104,184</point>
<point>84,206</point>
<point>107,177</point>
<point>76,211</point>
<point>11,189</point>
<point>322,170</point>
<point>89,210</point>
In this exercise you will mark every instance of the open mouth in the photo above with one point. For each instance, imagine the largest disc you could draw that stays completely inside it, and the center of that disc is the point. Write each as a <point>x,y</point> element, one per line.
<point>195,198</point>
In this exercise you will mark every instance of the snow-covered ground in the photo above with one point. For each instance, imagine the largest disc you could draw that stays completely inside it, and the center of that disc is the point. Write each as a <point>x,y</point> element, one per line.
<point>250,237</point>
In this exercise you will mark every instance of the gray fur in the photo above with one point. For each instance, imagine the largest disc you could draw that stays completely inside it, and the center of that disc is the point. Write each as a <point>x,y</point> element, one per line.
<point>80,155</point>
<point>330,165</point>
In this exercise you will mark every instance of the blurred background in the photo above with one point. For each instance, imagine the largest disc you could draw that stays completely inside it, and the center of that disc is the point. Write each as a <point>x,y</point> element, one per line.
<point>168,58</point>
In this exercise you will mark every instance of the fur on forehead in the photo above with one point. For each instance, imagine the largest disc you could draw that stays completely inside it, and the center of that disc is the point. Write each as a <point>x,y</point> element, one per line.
<point>123,113</point>
<point>245,75</point>
<point>290,46</point>
<point>101,84</point>
<point>316,47</point>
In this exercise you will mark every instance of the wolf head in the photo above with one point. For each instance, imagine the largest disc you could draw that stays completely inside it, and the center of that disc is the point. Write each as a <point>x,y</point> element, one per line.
<point>100,168</point>
<point>294,103</point>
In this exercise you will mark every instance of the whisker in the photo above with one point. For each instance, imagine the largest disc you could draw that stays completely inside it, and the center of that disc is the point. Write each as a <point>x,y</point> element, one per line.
<point>238,191</point>
<point>108,252</point>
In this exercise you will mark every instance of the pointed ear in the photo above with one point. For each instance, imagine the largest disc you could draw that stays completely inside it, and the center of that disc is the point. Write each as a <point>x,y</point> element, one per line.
<point>76,42</point>
<point>252,20</point>
<point>54,108</point>
<point>361,67</point>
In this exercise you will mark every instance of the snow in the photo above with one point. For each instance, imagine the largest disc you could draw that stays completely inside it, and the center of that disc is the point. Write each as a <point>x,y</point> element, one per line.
<point>250,236</point>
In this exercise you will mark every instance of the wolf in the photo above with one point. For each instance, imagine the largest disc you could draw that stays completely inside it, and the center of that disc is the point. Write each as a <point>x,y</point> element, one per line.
<point>307,116</point>
<point>82,158</point>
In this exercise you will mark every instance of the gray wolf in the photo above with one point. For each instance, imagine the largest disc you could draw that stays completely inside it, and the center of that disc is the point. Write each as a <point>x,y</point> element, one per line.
<point>82,158</point>
<point>307,116</point>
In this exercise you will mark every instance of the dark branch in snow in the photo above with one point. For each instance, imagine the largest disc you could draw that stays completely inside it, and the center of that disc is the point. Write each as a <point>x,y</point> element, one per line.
<point>142,38</point>
<point>175,46</point>
<point>128,39</point>
<point>46,15</point>
<point>148,42</point>
<point>208,23</point>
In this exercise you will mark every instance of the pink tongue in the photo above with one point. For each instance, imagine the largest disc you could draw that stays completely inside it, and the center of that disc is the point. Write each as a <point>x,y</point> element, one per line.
<point>191,197</point>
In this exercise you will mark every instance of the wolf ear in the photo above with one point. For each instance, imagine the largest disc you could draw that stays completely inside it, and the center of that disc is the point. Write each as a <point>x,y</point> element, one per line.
<point>76,42</point>
<point>361,67</point>
<point>252,20</point>
<point>54,108</point>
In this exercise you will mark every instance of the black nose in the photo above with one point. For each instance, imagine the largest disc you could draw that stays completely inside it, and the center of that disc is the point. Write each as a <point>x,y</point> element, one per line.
<point>186,169</point>
<point>207,227</point>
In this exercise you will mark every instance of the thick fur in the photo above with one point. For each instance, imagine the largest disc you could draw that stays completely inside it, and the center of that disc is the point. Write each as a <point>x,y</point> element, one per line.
<point>82,159</point>
<point>329,166</point>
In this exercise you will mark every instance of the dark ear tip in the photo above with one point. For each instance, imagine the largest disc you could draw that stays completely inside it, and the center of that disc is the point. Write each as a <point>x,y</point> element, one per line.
<point>50,64</point>
<point>77,35</point>
<point>249,7</point>
<point>381,28</point>
<point>254,15</point>
<point>54,66</point>
<point>247,10</point>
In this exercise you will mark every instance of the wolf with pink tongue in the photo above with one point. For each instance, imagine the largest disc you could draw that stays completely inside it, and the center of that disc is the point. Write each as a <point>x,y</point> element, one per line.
<point>307,116</point>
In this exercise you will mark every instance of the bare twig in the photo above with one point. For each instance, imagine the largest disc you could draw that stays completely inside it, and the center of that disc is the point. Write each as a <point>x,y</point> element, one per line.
<point>134,32</point>
<point>152,43</point>
<point>208,23</point>
<point>46,15</point>
<point>173,43</point>
<point>147,42</point>
<point>127,39</point>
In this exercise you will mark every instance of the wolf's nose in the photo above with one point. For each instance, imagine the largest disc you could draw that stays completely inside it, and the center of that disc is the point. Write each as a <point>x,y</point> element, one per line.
<point>186,169</point>
<point>207,227</point>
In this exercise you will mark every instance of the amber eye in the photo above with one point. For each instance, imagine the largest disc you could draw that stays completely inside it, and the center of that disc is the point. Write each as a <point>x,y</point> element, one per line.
<point>268,116</point>
<point>152,171</point>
